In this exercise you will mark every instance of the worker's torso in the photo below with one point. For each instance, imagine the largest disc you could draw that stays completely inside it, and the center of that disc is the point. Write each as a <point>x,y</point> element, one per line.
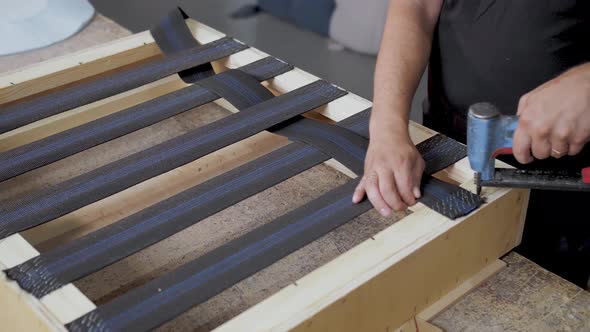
<point>497,50</point>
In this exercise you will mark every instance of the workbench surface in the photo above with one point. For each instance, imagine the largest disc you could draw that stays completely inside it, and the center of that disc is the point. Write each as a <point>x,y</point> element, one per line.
<point>522,297</point>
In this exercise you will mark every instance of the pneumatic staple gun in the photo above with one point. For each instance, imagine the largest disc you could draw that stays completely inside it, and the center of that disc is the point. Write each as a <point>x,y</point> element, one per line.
<point>490,134</point>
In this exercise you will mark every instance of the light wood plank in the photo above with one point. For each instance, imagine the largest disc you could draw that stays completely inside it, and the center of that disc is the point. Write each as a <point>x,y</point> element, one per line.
<point>67,303</point>
<point>15,250</point>
<point>22,312</point>
<point>459,292</point>
<point>84,114</point>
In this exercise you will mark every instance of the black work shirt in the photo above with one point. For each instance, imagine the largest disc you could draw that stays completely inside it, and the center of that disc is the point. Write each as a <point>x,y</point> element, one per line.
<point>498,50</point>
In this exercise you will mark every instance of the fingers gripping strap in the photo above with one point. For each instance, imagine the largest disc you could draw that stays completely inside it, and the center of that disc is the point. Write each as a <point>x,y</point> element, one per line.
<point>73,194</point>
<point>438,152</point>
<point>45,151</point>
<point>16,115</point>
<point>172,36</point>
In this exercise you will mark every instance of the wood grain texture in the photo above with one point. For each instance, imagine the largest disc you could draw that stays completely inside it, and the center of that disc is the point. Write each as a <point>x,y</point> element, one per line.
<point>21,312</point>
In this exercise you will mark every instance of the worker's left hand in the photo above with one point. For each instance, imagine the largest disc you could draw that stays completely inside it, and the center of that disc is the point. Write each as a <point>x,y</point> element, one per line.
<point>554,119</point>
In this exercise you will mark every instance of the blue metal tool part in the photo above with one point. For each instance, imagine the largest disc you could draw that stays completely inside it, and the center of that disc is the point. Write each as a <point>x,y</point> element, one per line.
<point>490,134</point>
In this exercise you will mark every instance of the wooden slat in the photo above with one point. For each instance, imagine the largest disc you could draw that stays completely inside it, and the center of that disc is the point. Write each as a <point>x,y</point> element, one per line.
<point>70,68</point>
<point>23,312</point>
<point>84,114</point>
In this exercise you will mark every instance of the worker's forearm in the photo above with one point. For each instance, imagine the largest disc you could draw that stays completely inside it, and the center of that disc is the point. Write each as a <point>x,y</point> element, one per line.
<point>404,53</point>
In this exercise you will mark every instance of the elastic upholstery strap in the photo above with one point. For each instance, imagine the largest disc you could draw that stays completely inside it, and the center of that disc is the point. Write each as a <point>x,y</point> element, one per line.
<point>102,182</point>
<point>111,243</point>
<point>162,299</point>
<point>74,260</point>
<point>52,270</point>
<point>340,143</point>
<point>448,199</point>
<point>61,145</point>
<point>18,114</point>
<point>238,88</point>
<point>172,36</point>
<point>242,91</point>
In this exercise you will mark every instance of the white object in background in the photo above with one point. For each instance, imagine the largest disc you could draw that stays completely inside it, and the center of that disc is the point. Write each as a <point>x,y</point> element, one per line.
<point>31,24</point>
<point>358,25</point>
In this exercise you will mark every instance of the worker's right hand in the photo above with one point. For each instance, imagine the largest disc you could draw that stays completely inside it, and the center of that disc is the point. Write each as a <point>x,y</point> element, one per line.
<point>393,170</point>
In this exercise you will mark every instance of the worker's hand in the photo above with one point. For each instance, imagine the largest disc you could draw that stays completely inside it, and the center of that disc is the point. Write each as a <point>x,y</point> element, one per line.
<point>554,118</point>
<point>393,169</point>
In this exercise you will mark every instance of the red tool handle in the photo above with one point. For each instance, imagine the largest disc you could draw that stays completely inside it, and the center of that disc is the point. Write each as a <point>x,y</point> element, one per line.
<point>502,151</point>
<point>586,175</point>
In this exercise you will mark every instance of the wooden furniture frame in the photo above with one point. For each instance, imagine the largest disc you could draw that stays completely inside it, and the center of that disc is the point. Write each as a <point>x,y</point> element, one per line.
<point>377,286</point>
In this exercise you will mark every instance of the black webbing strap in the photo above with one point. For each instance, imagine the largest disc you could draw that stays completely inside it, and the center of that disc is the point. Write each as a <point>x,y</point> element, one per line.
<point>448,199</point>
<point>105,246</point>
<point>340,143</point>
<point>238,88</point>
<point>61,145</point>
<point>164,298</point>
<point>438,150</point>
<point>50,271</point>
<point>18,114</point>
<point>172,36</point>
<point>80,191</point>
